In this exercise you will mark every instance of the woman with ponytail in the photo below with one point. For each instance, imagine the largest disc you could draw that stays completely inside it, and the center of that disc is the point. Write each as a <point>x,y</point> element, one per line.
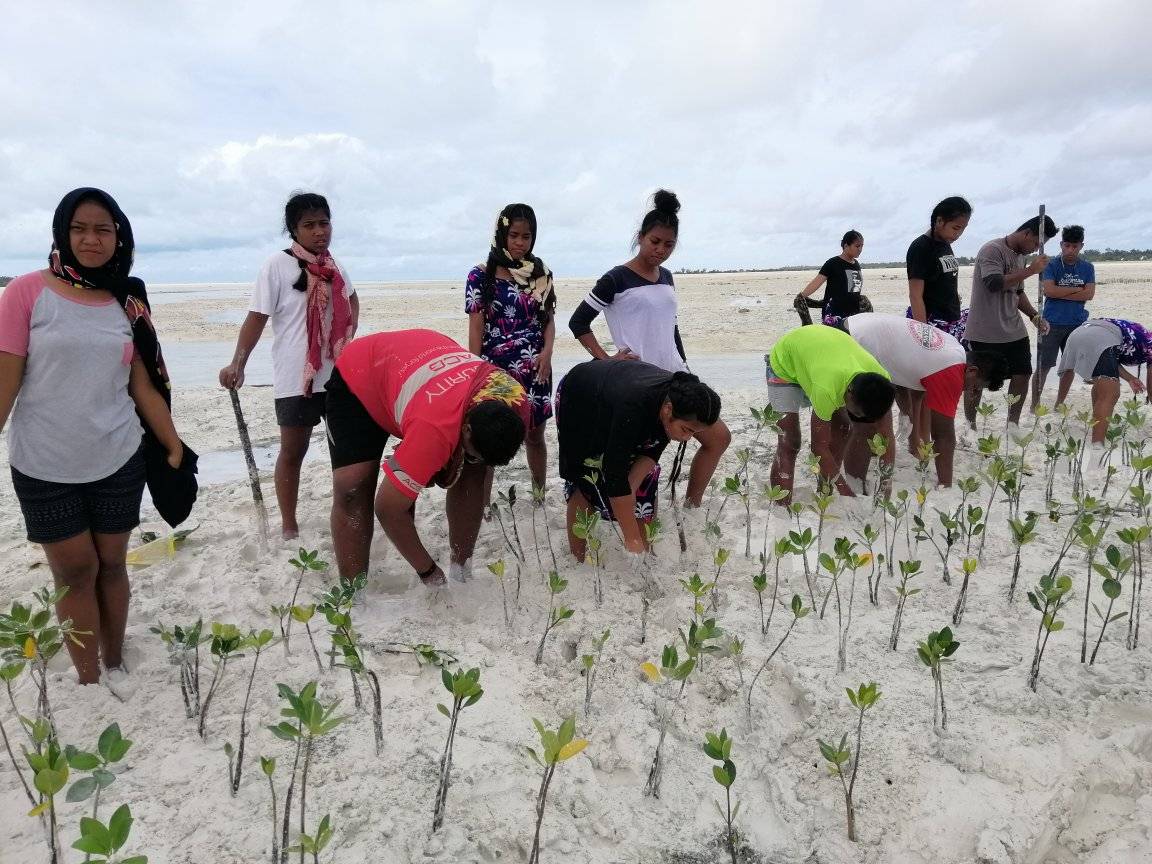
<point>621,414</point>
<point>638,300</point>
<point>510,301</point>
<point>314,310</point>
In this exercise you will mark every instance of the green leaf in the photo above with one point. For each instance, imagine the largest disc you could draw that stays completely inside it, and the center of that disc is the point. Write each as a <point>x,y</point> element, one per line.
<point>94,830</point>
<point>81,790</point>
<point>78,760</point>
<point>443,709</point>
<point>119,826</point>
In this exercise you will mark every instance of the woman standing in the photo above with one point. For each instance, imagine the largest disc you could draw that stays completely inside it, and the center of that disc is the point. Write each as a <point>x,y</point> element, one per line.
<point>623,414</point>
<point>314,311</point>
<point>638,300</point>
<point>933,293</point>
<point>844,283</point>
<point>80,361</point>
<point>510,303</point>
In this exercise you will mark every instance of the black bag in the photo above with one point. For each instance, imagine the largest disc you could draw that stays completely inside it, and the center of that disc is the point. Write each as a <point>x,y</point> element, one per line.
<point>173,490</point>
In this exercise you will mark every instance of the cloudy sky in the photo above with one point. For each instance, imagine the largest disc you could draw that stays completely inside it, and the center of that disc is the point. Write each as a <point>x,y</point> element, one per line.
<point>780,125</point>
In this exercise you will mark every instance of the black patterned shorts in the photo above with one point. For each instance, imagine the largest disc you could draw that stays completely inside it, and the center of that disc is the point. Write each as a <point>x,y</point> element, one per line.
<point>58,511</point>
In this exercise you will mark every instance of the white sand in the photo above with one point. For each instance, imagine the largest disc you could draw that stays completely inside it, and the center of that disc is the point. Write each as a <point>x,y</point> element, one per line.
<point>1061,775</point>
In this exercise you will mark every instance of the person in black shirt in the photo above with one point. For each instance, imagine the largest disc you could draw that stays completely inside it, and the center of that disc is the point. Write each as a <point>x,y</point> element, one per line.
<point>843,283</point>
<point>933,293</point>
<point>623,413</point>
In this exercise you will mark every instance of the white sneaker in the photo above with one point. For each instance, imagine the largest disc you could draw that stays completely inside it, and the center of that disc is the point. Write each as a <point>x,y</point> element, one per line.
<point>119,682</point>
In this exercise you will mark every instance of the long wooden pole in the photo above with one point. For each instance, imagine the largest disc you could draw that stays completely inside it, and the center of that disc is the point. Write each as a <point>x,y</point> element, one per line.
<point>253,473</point>
<point>1039,311</point>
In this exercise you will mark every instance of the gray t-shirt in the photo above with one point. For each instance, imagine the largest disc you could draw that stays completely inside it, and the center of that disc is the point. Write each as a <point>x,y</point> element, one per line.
<point>74,420</point>
<point>993,315</point>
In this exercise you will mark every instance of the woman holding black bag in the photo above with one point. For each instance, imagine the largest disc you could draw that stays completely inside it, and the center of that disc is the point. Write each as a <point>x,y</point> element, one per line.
<point>80,362</point>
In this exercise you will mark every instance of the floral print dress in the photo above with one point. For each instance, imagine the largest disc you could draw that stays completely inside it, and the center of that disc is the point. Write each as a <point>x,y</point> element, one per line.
<point>513,337</point>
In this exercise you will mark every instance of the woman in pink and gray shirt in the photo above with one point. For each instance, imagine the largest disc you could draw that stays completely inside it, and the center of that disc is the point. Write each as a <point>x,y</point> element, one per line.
<point>80,368</point>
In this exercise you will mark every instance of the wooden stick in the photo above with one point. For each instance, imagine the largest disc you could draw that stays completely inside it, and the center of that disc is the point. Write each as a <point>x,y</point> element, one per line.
<point>253,473</point>
<point>1039,311</point>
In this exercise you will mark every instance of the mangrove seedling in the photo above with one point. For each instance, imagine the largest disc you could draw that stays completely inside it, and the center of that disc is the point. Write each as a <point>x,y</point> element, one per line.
<point>782,547</point>
<point>555,747</point>
<point>760,585</point>
<point>878,445</point>
<point>314,844</point>
<point>556,614</point>
<point>671,670</point>
<point>697,588</point>
<point>496,568</point>
<point>839,756</point>
<point>591,664</point>
<point>111,747</point>
<point>1135,538</point>
<point>908,570</point>
<point>49,775</point>
<point>1023,533</point>
<point>225,644</point>
<point>719,559</point>
<point>949,534</point>
<point>304,614</point>
<point>256,642</point>
<point>305,562</point>
<point>1091,541</point>
<point>587,528</point>
<point>1048,598</point>
<point>346,638</point>
<point>183,645</point>
<point>466,692</point>
<point>798,612</point>
<point>867,535</point>
<point>1113,573</point>
<point>800,542</point>
<point>10,672</point>
<point>539,502</point>
<point>896,508</point>
<point>310,719</point>
<point>969,567</point>
<point>719,747</point>
<point>933,652</point>
<point>335,605</point>
<point>736,652</point>
<point>106,841</point>
<point>268,766</point>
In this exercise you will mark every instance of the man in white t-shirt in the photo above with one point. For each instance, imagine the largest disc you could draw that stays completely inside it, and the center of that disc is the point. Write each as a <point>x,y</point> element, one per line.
<point>300,367</point>
<point>928,365</point>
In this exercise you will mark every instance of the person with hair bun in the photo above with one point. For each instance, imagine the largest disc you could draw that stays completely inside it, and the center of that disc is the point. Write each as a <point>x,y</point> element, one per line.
<point>638,300</point>
<point>314,310</point>
<point>511,303</point>
<point>843,283</point>
<point>622,413</point>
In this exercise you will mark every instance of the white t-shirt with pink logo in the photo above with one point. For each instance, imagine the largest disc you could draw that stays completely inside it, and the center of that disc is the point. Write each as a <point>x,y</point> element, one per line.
<point>74,420</point>
<point>910,350</point>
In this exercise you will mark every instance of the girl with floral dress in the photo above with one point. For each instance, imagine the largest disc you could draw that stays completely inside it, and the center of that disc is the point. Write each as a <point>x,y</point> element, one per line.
<point>511,302</point>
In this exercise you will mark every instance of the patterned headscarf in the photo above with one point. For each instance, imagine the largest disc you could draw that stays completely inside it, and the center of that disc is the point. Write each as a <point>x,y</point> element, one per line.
<point>528,272</point>
<point>112,277</point>
<point>324,282</point>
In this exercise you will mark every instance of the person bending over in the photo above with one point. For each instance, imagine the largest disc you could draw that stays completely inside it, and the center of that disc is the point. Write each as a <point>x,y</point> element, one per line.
<point>623,413</point>
<point>1097,351</point>
<point>824,368</point>
<point>456,415</point>
<point>927,366</point>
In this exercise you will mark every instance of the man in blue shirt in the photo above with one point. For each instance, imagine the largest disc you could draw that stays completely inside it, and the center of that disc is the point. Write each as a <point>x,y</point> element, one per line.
<point>1068,283</point>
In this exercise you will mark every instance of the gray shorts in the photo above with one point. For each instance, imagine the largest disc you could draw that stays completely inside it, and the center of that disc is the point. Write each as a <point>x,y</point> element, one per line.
<point>784,396</point>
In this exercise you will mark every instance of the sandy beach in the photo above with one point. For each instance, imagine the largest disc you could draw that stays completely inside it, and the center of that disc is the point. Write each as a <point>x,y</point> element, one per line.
<point>1060,775</point>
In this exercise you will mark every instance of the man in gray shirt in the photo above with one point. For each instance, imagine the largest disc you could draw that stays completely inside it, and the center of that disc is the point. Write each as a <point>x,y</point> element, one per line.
<point>994,323</point>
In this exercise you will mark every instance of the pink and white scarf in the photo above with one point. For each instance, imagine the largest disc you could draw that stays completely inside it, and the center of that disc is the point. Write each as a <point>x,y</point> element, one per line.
<point>324,283</point>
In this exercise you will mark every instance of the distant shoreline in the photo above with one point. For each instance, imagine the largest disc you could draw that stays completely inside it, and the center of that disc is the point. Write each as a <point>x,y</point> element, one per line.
<point>1108,256</point>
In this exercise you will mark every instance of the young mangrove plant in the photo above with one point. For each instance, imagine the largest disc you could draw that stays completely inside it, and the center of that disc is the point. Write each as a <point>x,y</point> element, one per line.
<point>225,644</point>
<point>868,535</point>
<point>556,614</point>
<point>183,645</point>
<point>736,486</point>
<point>255,642</point>
<point>314,844</point>
<point>555,747</point>
<point>949,534</point>
<point>591,664</point>
<point>1090,540</point>
<point>305,562</point>
<point>969,567</point>
<point>908,570</point>
<point>304,615</point>
<point>539,502</point>
<point>106,841</point>
<point>268,766</point>
<point>736,652</point>
<point>878,445</point>
<point>466,692</point>
<point>719,559</point>
<point>719,748</point>
<point>30,636</point>
<point>839,757</point>
<point>587,528</point>
<point>496,568</point>
<point>1113,573</point>
<point>10,672</point>
<point>347,640</point>
<point>308,719</point>
<point>671,670</point>
<point>1023,533</point>
<point>1048,598</point>
<point>799,544</point>
<point>896,509</point>
<point>1135,537</point>
<point>697,589</point>
<point>933,652</point>
<point>49,775</point>
<point>798,612</point>
<point>111,748</point>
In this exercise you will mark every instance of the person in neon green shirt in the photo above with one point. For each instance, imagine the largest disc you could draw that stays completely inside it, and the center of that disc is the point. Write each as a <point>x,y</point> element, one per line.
<point>849,391</point>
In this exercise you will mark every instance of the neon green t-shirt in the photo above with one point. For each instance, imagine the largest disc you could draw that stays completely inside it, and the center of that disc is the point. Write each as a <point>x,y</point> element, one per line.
<point>822,360</point>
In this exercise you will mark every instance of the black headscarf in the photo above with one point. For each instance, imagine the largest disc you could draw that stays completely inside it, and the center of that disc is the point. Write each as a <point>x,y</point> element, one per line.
<point>112,277</point>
